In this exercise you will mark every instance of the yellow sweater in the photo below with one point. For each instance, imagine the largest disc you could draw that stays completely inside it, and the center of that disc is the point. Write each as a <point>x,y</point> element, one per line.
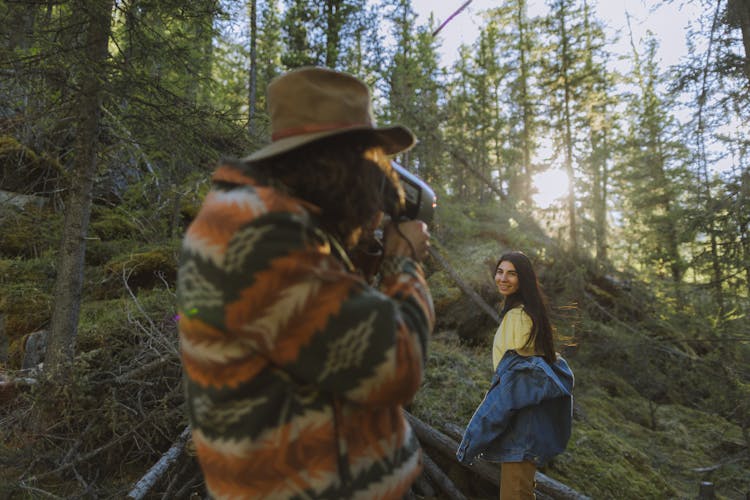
<point>512,334</point>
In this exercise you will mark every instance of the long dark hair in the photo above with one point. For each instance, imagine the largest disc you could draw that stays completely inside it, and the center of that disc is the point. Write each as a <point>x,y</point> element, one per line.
<point>534,302</point>
<point>343,175</point>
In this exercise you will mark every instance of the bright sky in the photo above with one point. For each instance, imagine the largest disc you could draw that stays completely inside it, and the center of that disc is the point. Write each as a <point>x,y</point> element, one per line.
<point>667,21</point>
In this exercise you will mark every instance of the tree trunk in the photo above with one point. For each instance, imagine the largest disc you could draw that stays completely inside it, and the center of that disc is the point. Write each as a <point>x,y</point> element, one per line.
<point>253,72</point>
<point>333,27</point>
<point>96,16</point>
<point>568,137</point>
<point>740,13</point>
<point>526,104</point>
<point>711,229</point>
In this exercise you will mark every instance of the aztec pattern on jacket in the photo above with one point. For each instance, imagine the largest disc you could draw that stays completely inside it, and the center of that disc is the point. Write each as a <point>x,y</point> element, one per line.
<point>296,369</point>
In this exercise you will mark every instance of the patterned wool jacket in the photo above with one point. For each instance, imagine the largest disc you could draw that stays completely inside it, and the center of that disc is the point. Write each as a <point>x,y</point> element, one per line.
<point>296,369</point>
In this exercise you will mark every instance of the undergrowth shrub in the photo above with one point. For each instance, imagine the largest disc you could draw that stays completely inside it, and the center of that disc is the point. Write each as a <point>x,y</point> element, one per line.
<point>29,233</point>
<point>118,413</point>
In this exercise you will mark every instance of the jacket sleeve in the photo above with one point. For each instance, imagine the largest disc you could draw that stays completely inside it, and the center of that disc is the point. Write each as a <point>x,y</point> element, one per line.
<point>297,305</point>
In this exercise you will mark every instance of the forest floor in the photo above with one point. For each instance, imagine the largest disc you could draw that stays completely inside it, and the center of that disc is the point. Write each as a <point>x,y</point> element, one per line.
<point>648,404</point>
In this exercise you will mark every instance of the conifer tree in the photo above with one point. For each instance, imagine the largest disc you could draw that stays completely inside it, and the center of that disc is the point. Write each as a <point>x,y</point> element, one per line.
<point>96,18</point>
<point>296,27</point>
<point>518,98</point>
<point>268,54</point>
<point>652,175</point>
<point>563,68</point>
<point>413,88</point>
<point>598,99</point>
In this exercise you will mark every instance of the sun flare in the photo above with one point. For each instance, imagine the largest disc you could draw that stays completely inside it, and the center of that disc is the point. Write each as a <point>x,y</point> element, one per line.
<point>550,187</point>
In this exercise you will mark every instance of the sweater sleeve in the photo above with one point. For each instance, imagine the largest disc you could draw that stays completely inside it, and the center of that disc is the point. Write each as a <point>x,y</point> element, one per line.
<point>285,297</point>
<point>512,334</point>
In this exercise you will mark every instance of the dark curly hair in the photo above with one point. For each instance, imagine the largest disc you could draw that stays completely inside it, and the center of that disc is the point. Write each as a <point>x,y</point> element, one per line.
<point>346,175</point>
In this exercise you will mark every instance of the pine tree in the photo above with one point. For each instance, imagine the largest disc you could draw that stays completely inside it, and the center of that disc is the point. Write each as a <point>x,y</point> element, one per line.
<point>653,177</point>
<point>563,67</point>
<point>518,99</point>
<point>598,99</point>
<point>414,90</point>
<point>96,17</point>
<point>296,26</point>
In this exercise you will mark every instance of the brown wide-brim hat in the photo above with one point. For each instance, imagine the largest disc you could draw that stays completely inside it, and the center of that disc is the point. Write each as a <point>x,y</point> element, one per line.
<point>311,103</point>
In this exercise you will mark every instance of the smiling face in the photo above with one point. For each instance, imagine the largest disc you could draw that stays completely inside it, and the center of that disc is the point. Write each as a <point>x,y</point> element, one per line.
<point>506,278</point>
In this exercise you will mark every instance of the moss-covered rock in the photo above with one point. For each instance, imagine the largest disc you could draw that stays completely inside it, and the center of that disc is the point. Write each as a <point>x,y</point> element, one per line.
<point>115,324</point>
<point>26,307</point>
<point>149,268</point>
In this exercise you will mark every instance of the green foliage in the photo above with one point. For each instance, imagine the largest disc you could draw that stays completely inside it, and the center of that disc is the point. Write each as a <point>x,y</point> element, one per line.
<point>29,232</point>
<point>121,405</point>
<point>24,170</point>
<point>25,300</point>
<point>112,224</point>
<point>476,234</point>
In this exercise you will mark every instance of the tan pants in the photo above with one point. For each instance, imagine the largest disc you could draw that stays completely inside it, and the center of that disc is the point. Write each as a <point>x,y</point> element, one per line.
<point>517,481</point>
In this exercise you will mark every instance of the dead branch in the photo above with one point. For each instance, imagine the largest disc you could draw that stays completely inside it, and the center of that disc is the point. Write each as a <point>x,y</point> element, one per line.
<point>457,12</point>
<point>155,473</point>
<point>86,456</point>
<point>466,288</point>
<point>468,166</point>
<point>141,370</point>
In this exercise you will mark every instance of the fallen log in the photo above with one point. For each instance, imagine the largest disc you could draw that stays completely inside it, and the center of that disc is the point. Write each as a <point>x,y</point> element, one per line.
<point>155,473</point>
<point>424,487</point>
<point>466,288</point>
<point>486,470</point>
<point>441,479</point>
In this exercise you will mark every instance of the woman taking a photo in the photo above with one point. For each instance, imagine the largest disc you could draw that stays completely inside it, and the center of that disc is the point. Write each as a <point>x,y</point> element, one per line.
<point>525,418</point>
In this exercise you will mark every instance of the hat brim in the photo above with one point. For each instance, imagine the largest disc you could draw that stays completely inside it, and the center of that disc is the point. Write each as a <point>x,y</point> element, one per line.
<point>394,140</point>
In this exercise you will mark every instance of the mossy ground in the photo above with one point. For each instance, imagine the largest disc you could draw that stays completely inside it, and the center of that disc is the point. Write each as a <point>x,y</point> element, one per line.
<point>614,452</point>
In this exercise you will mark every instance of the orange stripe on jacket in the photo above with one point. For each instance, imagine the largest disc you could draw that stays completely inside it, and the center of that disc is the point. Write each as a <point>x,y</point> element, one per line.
<point>406,378</point>
<point>252,315</point>
<point>271,462</point>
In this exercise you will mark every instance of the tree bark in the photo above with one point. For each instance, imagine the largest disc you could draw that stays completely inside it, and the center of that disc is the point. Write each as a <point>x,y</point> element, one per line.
<point>253,72</point>
<point>443,482</point>
<point>740,13</point>
<point>96,16</point>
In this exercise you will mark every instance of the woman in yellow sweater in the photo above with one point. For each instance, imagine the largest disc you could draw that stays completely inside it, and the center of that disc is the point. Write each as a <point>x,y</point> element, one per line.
<point>525,329</point>
<point>526,416</point>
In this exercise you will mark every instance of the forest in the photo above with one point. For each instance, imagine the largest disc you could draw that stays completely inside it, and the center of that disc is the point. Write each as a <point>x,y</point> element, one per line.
<point>113,114</point>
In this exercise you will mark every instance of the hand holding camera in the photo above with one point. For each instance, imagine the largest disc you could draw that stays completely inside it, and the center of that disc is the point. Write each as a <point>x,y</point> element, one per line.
<point>408,238</point>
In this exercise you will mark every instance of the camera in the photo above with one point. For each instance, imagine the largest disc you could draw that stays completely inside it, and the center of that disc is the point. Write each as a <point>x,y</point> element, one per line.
<point>419,198</point>
<point>419,204</point>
